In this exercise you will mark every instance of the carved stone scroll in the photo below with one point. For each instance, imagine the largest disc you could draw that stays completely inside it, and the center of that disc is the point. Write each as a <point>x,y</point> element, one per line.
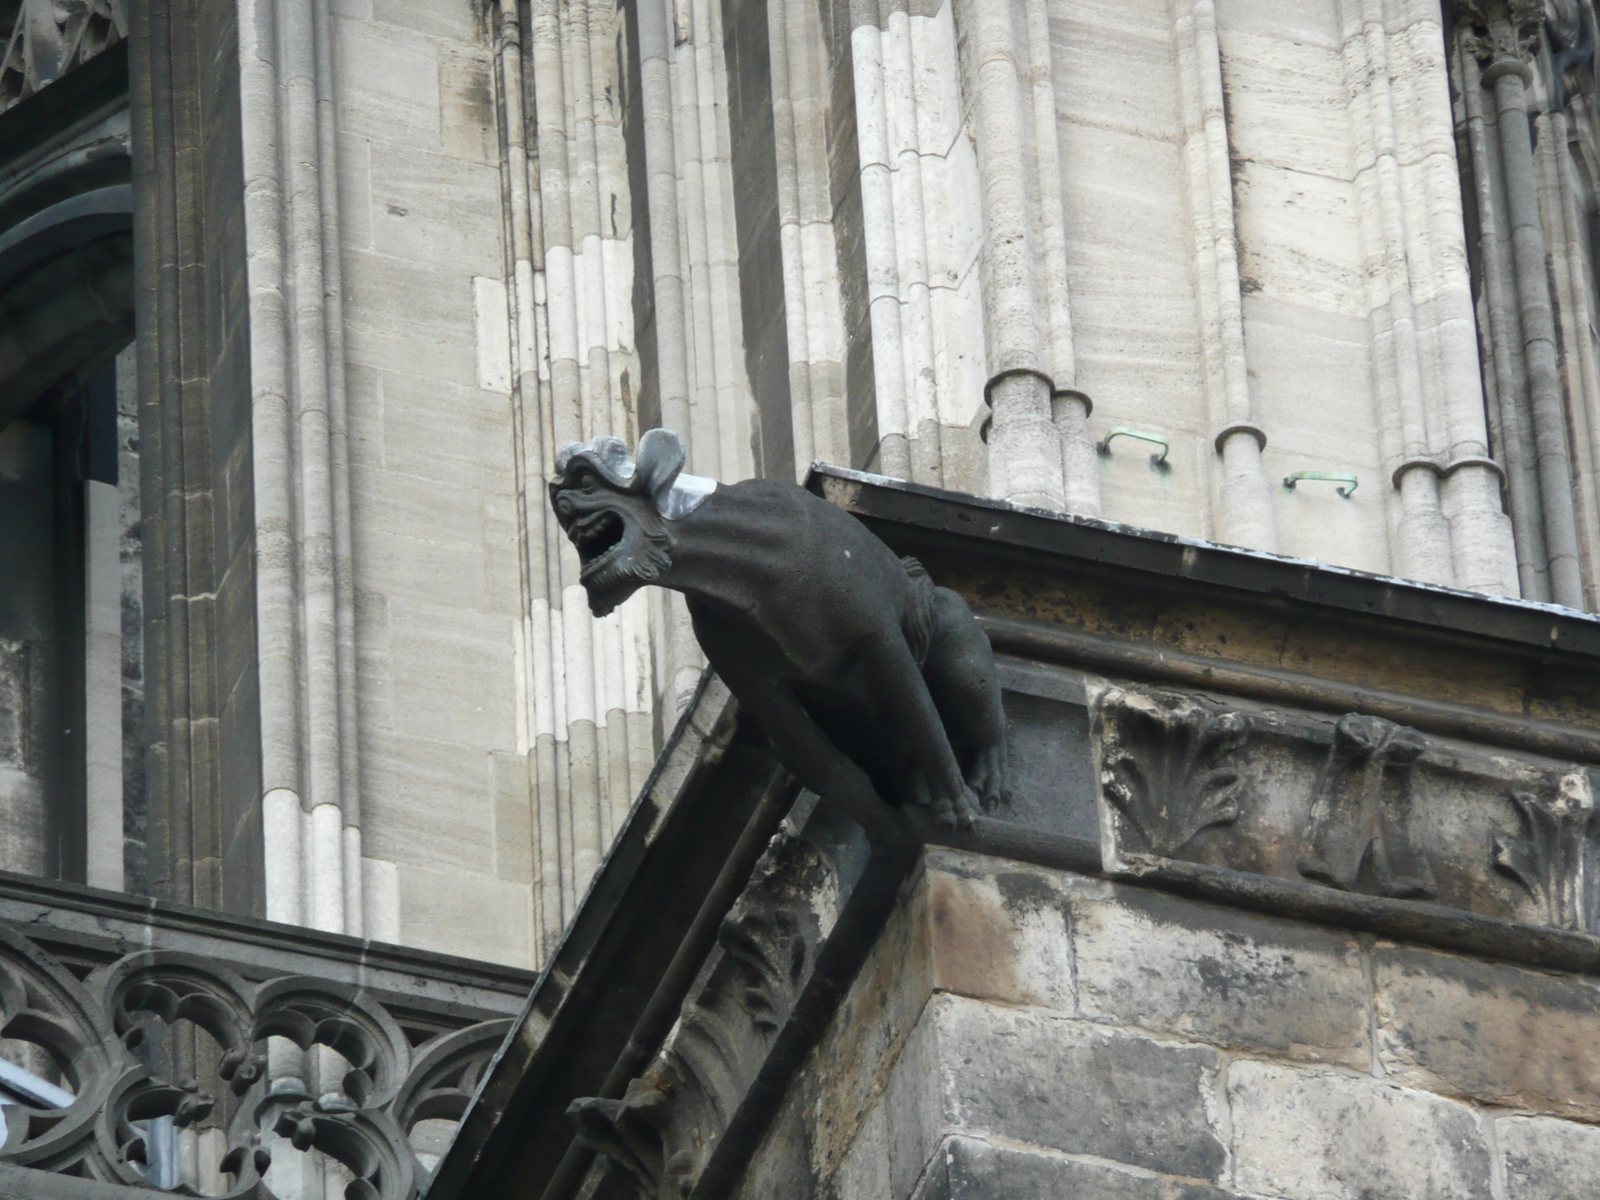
<point>50,38</point>
<point>1359,833</point>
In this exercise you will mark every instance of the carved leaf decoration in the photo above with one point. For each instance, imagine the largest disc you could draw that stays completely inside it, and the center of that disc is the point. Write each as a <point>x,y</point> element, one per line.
<point>1551,858</point>
<point>1519,857</point>
<point>1166,768</point>
<point>770,948</point>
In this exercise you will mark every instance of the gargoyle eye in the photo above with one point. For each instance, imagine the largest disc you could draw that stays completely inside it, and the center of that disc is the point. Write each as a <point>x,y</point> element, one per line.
<point>588,483</point>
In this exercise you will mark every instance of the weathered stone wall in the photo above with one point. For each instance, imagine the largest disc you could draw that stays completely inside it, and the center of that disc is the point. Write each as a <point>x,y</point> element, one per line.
<point>1021,1032</point>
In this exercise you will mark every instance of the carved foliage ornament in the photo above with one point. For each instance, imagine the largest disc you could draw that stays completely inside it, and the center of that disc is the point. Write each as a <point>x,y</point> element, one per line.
<point>662,1130</point>
<point>50,37</point>
<point>1551,857</point>
<point>97,1032</point>
<point>1167,767</point>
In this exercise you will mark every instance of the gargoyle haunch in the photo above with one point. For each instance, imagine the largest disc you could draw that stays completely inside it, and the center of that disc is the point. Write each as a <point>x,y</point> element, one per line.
<point>870,681</point>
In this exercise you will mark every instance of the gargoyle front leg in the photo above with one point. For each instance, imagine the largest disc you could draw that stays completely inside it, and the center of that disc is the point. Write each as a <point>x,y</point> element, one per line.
<point>895,676</point>
<point>812,757</point>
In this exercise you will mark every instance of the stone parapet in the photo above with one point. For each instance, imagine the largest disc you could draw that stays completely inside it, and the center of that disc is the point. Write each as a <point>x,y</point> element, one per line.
<point>140,1034</point>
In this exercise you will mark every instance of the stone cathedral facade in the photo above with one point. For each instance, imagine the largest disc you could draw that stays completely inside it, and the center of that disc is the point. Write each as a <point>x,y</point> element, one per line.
<point>300,298</point>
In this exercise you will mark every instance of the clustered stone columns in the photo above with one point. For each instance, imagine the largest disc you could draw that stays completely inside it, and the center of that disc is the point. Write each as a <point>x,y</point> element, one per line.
<point>1244,515</point>
<point>304,587</point>
<point>1448,523</point>
<point>1518,319</point>
<point>1039,444</point>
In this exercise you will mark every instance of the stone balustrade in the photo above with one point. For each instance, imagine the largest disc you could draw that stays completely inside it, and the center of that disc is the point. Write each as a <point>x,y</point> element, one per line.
<point>152,1045</point>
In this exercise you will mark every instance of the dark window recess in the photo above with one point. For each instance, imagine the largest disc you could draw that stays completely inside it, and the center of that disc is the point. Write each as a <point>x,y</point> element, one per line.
<point>65,441</point>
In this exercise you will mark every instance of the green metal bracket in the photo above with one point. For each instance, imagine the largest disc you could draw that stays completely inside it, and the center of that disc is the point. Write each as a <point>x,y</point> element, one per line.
<point>1324,477</point>
<point>1103,446</point>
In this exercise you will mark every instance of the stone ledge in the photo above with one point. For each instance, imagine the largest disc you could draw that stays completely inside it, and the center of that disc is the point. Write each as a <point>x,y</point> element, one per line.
<point>98,924</point>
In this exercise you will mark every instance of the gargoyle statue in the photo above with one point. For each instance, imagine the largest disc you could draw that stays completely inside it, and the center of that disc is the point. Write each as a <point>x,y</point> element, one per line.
<point>870,681</point>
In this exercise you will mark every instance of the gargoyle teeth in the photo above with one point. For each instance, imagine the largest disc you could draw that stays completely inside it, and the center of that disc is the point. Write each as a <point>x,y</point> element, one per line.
<point>597,534</point>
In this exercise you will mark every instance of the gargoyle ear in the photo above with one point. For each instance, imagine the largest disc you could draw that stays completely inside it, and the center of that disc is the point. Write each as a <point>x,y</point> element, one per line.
<point>660,459</point>
<point>564,456</point>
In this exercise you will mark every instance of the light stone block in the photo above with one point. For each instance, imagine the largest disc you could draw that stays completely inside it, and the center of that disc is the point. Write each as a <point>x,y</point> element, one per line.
<point>1299,239</point>
<point>864,1173</point>
<point>1199,972</point>
<point>971,1169</point>
<point>1314,521</point>
<point>998,930</point>
<point>453,20</point>
<point>871,1027</point>
<point>491,317</point>
<point>433,208</point>
<point>1045,1080</point>
<point>1128,247</point>
<point>1313,24</point>
<point>388,82</point>
<point>458,436</point>
<point>452,674</point>
<point>1135,89</point>
<point>410,317</point>
<point>502,567</point>
<point>1545,1159</point>
<point>363,397</point>
<point>466,915</point>
<point>1297,352</point>
<point>1287,97</point>
<point>447,511</point>
<point>447,574</point>
<point>372,659</point>
<point>467,123</point>
<point>1492,1031</point>
<point>1134,490</point>
<point>380,899</point>
<point>513,818</point>
<point>409,783</point>
<point>355,192</point>
<point>1302,1133</point>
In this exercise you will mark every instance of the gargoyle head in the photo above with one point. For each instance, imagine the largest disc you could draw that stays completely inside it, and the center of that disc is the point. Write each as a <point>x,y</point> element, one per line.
<point>618,512</point>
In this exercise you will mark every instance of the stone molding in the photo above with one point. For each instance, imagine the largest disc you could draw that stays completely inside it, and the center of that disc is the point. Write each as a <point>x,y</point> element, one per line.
<point>1356,803</point>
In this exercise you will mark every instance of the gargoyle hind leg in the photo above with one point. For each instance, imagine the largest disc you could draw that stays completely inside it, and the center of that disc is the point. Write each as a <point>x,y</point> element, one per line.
<point>898,680</point>
<point>965,686</point>
<point>813,758</point>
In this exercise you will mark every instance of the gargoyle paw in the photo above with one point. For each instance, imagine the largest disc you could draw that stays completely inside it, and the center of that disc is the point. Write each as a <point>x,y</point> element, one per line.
<point>988,777</point>
<point>964,810</point>
<point>949,812</point>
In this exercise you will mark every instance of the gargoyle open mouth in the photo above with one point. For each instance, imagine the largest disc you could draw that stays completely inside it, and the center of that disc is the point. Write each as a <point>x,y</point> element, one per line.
<point>598,538</point>
<point>609,508</point>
